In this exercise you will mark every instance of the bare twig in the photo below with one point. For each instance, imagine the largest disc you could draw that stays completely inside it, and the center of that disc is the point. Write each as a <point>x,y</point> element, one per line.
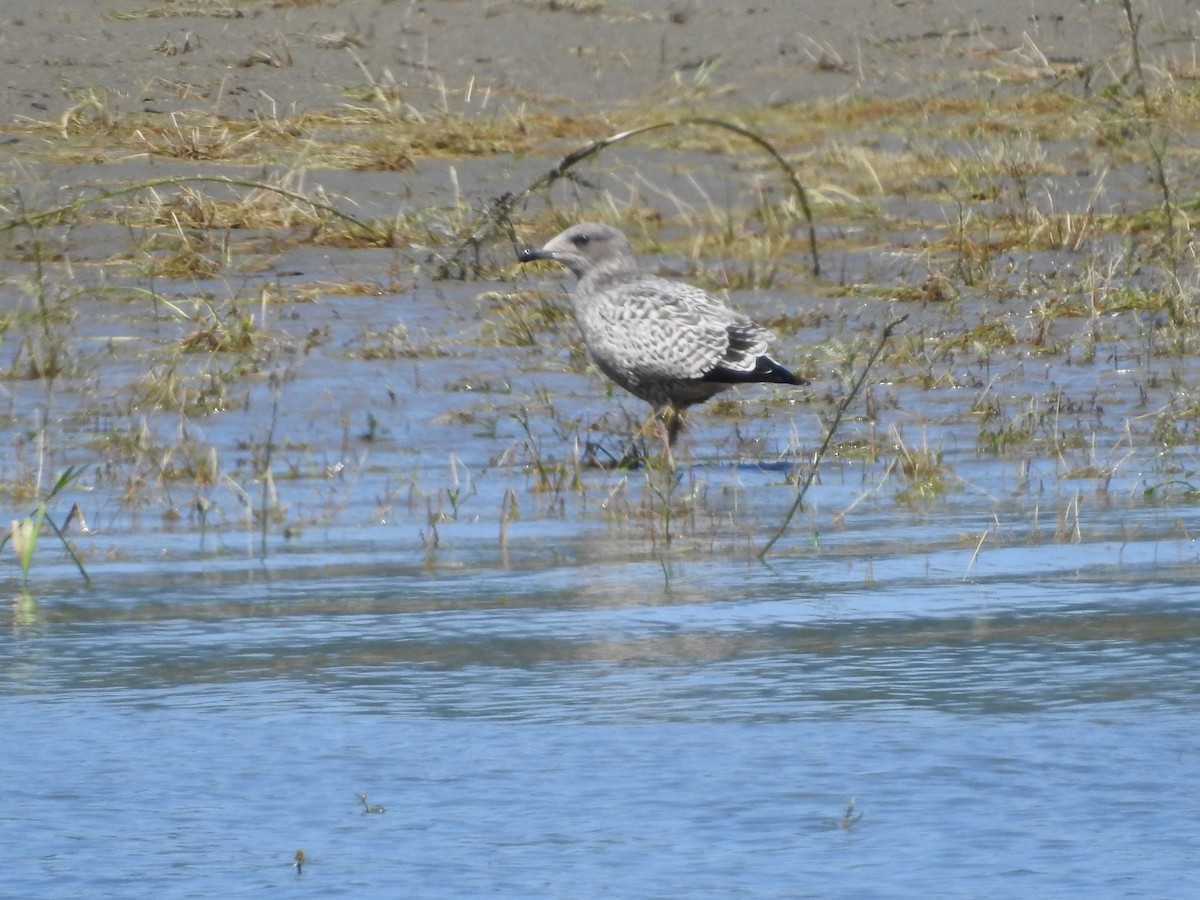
<point>497,218</point>
<point>1134,22</point>
<point>855,387</point>
<point>1158,154</point>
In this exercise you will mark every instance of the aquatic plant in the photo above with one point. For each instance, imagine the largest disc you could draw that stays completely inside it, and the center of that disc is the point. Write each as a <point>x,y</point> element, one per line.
<point>24,532</point>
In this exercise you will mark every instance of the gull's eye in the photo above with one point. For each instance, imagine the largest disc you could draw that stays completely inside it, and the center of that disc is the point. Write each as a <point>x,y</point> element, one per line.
<point>581,240</point>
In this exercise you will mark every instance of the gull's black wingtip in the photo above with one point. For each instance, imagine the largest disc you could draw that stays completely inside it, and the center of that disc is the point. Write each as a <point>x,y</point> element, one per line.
<point>765,371</point>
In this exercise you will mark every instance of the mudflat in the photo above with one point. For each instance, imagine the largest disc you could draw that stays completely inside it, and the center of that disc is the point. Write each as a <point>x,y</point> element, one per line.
<point>244,59</point>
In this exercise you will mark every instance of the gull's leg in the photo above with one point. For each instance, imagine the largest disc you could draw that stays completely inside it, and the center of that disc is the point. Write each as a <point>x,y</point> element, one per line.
<point>672,419</point>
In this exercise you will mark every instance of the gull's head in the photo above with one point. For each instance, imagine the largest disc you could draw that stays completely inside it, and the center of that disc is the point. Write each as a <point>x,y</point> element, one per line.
<point>584,248</point>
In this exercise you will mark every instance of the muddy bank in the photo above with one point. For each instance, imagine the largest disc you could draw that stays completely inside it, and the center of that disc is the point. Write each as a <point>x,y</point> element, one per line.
<point>268,59</point>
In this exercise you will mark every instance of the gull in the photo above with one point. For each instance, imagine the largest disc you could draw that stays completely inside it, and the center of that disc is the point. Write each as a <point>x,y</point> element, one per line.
<point>666,342</point>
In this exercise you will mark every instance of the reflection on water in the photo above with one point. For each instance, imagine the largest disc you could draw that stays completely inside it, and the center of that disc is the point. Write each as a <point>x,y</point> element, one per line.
<point>1002,737</point>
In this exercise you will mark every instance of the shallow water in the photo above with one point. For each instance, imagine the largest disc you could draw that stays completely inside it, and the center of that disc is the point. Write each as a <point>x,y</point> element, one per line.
<point>563,681</point>
<point>1019,735</point>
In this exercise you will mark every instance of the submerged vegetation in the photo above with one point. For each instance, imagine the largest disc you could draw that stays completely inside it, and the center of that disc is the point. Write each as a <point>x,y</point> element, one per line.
<point>238,349</point>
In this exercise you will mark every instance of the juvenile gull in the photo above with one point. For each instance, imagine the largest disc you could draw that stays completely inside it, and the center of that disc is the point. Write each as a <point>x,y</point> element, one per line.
<point>669,343</point>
